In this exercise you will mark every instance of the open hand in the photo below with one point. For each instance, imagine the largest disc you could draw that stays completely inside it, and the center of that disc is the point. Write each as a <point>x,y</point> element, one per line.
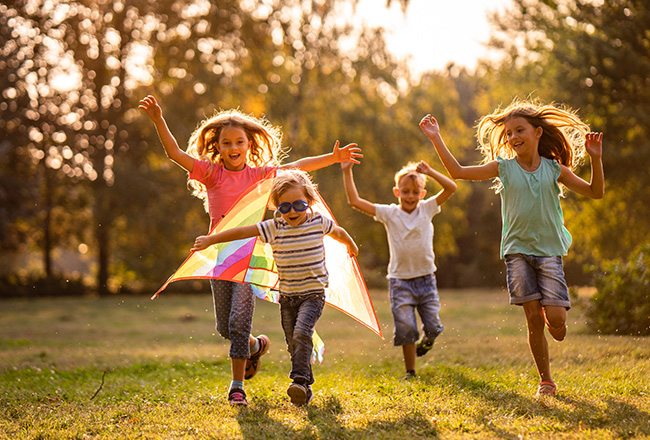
<point>151,107</point>
<point>594,144</point>
<point>429,125</point>
<point>349,153</point>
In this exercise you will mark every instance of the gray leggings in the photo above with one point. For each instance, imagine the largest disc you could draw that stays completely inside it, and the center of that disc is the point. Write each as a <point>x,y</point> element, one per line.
<point>234,304</point>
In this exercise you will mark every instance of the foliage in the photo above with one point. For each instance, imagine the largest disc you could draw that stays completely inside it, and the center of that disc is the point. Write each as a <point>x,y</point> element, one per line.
<point>163,373</point>
<point>36,286</point>
<point>622,302</point>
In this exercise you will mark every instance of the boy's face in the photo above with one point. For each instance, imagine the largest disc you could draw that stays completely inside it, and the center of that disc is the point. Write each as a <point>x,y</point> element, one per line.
<point>291,195</point>
<point>409,193</point>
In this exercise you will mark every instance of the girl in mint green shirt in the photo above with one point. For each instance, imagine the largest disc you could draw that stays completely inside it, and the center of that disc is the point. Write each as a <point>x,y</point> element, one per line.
<point>530,149</point>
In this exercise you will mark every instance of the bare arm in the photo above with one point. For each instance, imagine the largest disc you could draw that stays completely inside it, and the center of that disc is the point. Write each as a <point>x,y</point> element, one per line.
<point>448,185</point>
<point>349,153</point>
<point>205,241</point>
<point>490,170</point>
<point>354,200</point>
<point>596,188</point>
<point>339,234</point>
<point>173,151</point>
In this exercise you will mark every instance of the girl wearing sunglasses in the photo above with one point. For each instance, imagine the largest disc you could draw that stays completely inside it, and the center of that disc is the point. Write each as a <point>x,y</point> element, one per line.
<point>296,236</point>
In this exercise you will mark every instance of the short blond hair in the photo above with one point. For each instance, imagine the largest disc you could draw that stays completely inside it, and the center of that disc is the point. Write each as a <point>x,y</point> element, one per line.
<point>410,171</point>
<point>294,178</point>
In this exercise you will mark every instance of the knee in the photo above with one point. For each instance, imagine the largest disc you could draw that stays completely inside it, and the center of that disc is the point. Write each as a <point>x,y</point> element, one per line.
<point>535,319</point>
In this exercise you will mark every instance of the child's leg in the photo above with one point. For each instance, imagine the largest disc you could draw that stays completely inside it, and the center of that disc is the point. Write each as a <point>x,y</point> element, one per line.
<point>402,303</point>
<point>233,307</point>
<point>409,356</point>
<point>299,317</point>
<point>537,339</point>
<point>556,321</point>
<point>429,306</point>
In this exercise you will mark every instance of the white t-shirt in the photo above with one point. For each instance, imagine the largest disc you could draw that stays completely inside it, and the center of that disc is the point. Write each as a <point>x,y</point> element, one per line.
<point>410,238</point>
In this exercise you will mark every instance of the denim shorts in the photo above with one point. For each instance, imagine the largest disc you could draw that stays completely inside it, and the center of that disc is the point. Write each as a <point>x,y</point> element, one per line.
<point>533,278</point>
<point>408,296</point>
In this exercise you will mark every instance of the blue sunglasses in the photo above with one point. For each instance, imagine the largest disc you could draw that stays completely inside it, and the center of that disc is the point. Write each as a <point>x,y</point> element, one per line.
<point>298,206</point>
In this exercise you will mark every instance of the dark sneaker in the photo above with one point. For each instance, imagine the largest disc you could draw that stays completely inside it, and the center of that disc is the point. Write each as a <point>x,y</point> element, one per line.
<point>298,394</point>
<point>410,375</point>
<point>424,345</point>
<point>253,363</point>
<point>309,397</point>
<point>237,396</point>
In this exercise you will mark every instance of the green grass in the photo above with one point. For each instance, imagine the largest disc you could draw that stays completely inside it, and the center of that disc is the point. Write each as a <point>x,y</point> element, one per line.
<point>165,375</point>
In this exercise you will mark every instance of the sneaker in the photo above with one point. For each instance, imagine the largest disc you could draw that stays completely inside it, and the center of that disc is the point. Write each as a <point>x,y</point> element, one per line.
<point>253,363</point>
<point>410,375</point>
<point>298,394</point>
<point>424,345</point>
<point>546,389</point>
<point>309,397</point>
<point>237,396</point>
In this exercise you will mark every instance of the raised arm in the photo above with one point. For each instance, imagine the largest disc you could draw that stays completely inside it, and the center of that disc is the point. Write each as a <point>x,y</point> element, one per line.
<point>596,188</point>
<point>339,234</point>
<point>351,191</point>
<point>448,185</point>
<point>490,170</point>
<point>349,153</point>
<point>173,151</point>
<point>205,241</point>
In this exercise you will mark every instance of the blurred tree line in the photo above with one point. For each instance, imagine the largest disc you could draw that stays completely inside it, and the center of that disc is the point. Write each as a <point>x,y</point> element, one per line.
<point>84,178</point>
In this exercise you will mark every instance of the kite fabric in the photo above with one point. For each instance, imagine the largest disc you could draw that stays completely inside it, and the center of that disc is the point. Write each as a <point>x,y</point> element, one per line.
<point>251,261</point>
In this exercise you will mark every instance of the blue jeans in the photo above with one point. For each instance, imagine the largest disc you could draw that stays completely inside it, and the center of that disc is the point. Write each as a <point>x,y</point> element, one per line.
<point>299,316</point>
<point>533,278</point>
<point>234,304</point>
<point>407,296</point>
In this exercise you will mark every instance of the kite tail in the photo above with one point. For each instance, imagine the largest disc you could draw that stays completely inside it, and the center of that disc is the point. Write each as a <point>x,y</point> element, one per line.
<point>318,350</point>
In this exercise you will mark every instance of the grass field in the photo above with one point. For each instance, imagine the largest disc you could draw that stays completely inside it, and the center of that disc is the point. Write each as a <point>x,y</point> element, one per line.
<point>132,368</point>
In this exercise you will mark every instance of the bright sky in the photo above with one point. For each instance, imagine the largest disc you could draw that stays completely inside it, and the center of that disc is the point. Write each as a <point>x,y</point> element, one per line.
<point>433,32</point>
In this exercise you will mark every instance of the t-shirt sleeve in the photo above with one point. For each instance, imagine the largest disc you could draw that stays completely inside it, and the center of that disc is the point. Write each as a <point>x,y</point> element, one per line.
<point>431,206</point>
<point>557,170</point>
<point>503,171</point>
<point>201,170</point>
<point>382,212</point>
<point>328,225</point>
<point>267,230</point>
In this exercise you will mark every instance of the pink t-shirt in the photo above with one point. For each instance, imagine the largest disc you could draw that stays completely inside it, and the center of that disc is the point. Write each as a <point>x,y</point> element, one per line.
<point>225,187</point>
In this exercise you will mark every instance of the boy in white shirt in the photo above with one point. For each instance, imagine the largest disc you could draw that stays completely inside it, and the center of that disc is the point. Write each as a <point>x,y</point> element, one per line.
<point>411,269</point>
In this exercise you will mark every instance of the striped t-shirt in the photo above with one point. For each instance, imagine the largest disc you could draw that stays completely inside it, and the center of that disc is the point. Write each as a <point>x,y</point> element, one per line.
<point>299,253</point>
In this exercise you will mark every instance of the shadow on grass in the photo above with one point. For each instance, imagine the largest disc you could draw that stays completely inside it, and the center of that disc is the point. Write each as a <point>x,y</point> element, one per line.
<point>323,421</point>
<point>619,418</point>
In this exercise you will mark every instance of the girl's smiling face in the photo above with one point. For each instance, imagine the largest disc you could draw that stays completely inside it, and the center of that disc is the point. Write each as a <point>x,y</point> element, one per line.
<point>293,194</point>
<point>522,136</point>
<point>233,147</point>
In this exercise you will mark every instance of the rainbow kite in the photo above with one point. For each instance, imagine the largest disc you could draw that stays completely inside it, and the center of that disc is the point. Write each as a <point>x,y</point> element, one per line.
<point>251,261</point>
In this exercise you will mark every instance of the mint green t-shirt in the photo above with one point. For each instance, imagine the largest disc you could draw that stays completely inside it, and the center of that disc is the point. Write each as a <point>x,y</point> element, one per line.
<point>533,223</point>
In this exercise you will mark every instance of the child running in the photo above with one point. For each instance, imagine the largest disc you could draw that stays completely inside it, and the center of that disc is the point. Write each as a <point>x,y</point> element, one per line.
<point>531,148</point>
<point>226,154</point>
<point>296,237</point>
<point>411,268</point>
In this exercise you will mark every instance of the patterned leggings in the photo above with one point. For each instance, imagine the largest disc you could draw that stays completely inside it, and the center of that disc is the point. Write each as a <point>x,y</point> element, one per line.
<point>234,304</point>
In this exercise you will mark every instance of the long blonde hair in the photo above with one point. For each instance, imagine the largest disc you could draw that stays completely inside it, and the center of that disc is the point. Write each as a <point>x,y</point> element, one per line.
<point>562,140</point>
<point>266,143</point>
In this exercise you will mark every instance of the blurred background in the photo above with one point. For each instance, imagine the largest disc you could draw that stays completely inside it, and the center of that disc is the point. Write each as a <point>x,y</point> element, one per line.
<point>89,203</point>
